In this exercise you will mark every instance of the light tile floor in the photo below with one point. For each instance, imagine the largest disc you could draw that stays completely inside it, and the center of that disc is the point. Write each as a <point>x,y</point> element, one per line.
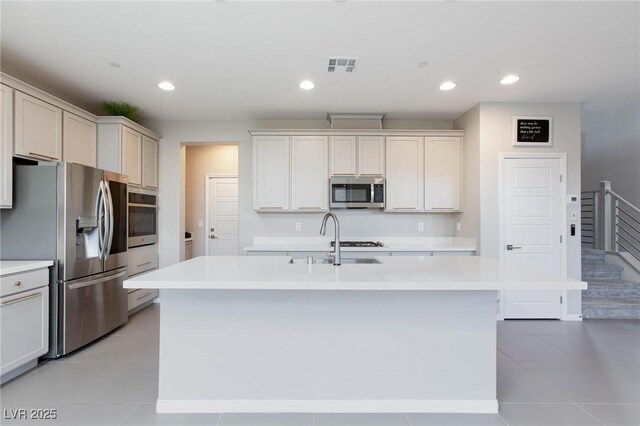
<point>549,373</point>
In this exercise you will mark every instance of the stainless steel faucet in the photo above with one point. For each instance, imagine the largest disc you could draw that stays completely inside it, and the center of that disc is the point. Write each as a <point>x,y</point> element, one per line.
<point>336,246</point>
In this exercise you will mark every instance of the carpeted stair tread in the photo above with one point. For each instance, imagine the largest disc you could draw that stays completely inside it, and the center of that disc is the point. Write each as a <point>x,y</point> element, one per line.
<point>611,307</point>
<point>601,271</point>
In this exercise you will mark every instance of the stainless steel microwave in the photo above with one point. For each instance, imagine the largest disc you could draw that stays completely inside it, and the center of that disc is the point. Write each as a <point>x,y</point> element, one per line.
<point>143,219</point>
<point>356,193</point>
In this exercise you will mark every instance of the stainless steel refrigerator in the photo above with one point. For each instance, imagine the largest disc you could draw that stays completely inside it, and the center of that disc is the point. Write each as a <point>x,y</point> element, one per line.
<point>76,216</point>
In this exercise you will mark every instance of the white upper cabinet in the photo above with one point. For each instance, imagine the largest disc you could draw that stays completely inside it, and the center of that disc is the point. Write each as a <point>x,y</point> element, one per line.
<point>342,152</point>
<point>404,174</point>
<point>128,148</point>
<point>442,173</point>
<point>271,173</point>
<point>79,139</point>
<point>38,128</point>
<point>371,155</point>
<point>132,155</point>
<point>6,147</point>
<point>356,155</point>
<point>309,173</point>
<point>149,163</point>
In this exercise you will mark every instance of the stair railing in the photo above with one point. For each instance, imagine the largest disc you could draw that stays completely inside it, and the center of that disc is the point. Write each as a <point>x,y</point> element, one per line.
<point>589,218</point>
<point>610,222</point>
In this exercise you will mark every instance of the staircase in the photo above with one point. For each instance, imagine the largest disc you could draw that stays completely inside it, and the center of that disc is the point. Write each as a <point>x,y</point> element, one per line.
<point>608,295</point>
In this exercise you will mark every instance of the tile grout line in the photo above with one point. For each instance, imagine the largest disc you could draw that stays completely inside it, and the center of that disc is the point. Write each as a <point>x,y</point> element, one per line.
<point>544,381</point>
<point>503,419</point>
<point>408,419</point>
<point>590,415</point>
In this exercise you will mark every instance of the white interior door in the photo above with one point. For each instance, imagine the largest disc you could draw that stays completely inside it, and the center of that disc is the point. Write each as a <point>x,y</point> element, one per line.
<point>532,231</point>
<point>222,229</point>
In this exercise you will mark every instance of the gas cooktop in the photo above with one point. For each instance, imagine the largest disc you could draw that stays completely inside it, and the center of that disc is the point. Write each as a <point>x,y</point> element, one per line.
<point>358,244</point>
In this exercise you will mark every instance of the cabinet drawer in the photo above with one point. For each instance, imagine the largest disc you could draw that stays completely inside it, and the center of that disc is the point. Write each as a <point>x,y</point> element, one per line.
<point>24,326</point>
<point>138,297</point>
<point>142,259</point>
<point>15,283</point>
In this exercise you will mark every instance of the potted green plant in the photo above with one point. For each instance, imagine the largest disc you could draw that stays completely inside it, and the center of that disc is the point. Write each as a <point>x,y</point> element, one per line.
<point>125,109</point>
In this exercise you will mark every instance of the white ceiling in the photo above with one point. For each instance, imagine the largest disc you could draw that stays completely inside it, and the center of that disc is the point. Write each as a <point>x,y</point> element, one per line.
<point>237,60</point>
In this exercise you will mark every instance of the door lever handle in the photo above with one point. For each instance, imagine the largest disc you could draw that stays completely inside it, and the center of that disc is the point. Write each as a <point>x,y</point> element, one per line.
<point>512,247</point>
<point>213,237</point>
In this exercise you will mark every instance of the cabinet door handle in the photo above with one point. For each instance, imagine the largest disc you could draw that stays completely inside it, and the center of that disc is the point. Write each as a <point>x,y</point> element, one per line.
<point>310,208</point>
<point>266,207</point>
<point>43,156</point>
<point>143,264</point>
<point>30,296</point>
<point>442,208</point>
<point>18,283</point>
<point>143,296</point>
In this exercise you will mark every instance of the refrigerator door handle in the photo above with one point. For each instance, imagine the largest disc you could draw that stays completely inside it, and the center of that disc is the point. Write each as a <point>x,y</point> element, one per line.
<point>96,280</point>
<point>109,200</point>
<point>100,214</point>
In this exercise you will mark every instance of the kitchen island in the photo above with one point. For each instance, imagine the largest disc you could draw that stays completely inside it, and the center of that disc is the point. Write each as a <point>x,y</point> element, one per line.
<point>258,334</point>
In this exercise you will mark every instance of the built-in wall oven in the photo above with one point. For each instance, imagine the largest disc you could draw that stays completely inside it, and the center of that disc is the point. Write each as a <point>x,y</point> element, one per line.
<point>143,219</point>
<point>356,193</point>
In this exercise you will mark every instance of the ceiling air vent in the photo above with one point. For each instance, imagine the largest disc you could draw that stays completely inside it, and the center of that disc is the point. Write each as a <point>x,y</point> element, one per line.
<point>342,64</point>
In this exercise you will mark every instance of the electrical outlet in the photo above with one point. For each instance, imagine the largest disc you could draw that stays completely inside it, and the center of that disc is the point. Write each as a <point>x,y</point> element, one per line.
<point>298,226</point>
<point>458,226</point>
<point>421,227</point>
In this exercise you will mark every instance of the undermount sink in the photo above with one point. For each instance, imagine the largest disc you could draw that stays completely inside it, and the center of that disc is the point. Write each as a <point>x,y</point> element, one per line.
<point>326,260</point>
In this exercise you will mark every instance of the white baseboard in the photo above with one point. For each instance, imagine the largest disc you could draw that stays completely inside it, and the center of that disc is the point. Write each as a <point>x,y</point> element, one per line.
<point>326,406</point>
<point>572,317</point>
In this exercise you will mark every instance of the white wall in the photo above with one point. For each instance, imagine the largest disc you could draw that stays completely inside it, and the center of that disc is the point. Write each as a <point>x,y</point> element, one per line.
<point>171,216</point>
<point>221,159</point>
<point>470,218</point>
<point>611,151</point>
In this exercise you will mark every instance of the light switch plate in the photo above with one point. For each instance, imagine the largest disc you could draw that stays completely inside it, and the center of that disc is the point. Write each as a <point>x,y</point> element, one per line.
<point>421,227</point>
<point>200,224</point>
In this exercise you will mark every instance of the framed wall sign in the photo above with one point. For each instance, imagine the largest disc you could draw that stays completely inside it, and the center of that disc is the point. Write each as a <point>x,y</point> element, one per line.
<point>532,131</point>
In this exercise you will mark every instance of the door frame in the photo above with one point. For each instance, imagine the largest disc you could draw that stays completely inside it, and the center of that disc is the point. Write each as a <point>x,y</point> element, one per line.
<point>562,156</point>
<point>207,179</point>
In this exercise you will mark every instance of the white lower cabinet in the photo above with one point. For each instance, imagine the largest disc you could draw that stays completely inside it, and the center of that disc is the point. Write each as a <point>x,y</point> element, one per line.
<point>188,249</point>
<point>24,327</point>
<point>140,296</point>
<point>141,259</point>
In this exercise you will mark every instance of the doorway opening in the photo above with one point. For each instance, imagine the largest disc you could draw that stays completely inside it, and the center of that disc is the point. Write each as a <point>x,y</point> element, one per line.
<point>211,204</point>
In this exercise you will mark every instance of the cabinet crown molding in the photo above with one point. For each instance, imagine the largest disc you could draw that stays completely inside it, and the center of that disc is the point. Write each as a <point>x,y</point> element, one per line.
<point>354,132</point>
<point>130,124</point>
<point>23,87</point>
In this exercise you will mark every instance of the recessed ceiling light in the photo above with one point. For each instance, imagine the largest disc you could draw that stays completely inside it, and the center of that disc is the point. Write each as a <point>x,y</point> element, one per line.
<point>423,64</point>
<point>115,64</point>
<point>447,85</point>
<point>166,85</point>
<point>307,85</point>
<point>510,79</point>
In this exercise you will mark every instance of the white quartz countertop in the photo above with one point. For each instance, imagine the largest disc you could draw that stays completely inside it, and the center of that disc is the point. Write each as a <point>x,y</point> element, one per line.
<point>394,273</point>
<point>8,267</point>
<point>322,244</point>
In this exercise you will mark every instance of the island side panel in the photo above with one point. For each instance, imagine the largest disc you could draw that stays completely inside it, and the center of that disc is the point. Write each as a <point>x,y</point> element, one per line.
<point>331,351</point>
